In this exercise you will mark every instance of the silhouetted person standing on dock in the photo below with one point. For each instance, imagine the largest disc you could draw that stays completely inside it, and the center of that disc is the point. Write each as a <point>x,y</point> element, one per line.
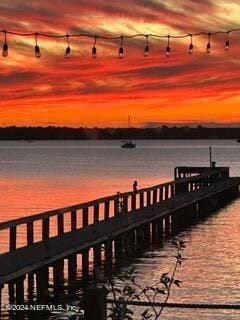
<point>135,185</point>
<point>213,164</point>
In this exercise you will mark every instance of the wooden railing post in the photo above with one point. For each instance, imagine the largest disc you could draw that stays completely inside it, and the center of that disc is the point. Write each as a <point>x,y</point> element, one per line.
<point>161,194</point>
<point>125,204</point>
<point>172,191</point>
<point>85,217</point>
<point>73,220</point>
<point>30,235</point>
<point>106,209</point>
<point>148,198</point>
<point>190,186</point>
<point>141,199</point>
<point>45,228</point>
<point>154,195</point>
<point>13,238</point>
<point>116,206</point>
<point>60,222</point>
<point>96,213</point>
<point>166,192</point>
<point>133,202</point>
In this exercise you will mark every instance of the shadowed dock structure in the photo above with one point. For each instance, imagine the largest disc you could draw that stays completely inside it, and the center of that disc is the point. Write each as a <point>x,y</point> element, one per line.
<point>110,229</point>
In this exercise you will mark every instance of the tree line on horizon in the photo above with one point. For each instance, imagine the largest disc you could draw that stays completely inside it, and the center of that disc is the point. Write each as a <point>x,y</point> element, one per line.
<point>163,132</point>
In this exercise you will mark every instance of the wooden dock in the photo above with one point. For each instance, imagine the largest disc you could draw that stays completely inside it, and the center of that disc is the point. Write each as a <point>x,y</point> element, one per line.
<point>113,227</point>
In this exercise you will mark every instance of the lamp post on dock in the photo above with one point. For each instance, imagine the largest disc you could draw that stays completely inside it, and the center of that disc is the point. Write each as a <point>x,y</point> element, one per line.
<point>210,156</point>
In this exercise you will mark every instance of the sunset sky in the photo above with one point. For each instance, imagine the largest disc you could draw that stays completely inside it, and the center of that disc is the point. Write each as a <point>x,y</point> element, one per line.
<point>197,89</point>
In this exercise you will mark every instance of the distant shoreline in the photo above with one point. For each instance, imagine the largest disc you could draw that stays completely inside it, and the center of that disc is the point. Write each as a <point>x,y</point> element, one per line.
<point>159,133</point>
<point>148,139</point>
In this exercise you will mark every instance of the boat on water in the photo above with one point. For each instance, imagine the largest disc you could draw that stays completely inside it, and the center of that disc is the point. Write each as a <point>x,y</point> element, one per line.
<point>128,144</point>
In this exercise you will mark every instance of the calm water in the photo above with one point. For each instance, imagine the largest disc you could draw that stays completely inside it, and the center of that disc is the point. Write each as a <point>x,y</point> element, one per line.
<point>38,176</point>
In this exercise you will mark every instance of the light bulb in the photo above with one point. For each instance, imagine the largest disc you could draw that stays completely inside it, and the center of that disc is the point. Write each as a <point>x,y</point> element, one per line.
<point>37,52</point>
<point>120,53</point>
<point>146,51</point>
<point>5,50</point>
<point>190,50</point>
<point>94,52</point>
<point>227,45</point>
<point>167,53</point>
<point>208,47</point>
<point>67,53</point>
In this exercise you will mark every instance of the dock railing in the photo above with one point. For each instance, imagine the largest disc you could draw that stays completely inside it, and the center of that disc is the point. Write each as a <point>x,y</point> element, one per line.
<point>41,227</point>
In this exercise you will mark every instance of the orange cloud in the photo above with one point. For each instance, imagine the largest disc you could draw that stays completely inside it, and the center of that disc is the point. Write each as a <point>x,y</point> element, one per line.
<point>101,92</point>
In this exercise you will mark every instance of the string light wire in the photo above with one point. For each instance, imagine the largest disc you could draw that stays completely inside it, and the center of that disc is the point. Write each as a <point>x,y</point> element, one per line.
<point>110,37</point>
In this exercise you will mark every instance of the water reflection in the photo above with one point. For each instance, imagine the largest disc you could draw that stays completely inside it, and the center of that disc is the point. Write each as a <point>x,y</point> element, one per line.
<point>210,273</point>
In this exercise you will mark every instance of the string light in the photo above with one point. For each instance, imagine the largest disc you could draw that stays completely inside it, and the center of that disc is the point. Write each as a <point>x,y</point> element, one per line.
<point>121,52</point>
<point>146,49</point>
<point>37,49</point>
<point>227,42</point>
<point>190,49</point>
<point>167,53</point>
<point>94,49</point>
<point>68,49</point>
<point>209,43</point>
<point>5,45</point>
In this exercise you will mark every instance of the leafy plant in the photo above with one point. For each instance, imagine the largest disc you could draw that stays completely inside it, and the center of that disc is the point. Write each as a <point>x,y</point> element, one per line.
<point>129,290</point>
